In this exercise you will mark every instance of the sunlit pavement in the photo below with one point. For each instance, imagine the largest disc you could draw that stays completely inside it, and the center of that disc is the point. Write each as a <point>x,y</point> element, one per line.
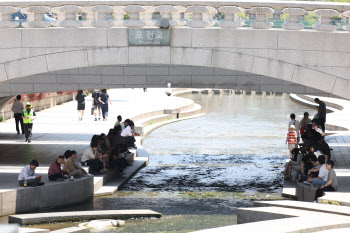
<point>58,129</point>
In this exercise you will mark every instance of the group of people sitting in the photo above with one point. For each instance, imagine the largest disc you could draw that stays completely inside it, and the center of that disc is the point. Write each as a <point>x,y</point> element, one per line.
<point>104,152</point>
<point>311,159</point>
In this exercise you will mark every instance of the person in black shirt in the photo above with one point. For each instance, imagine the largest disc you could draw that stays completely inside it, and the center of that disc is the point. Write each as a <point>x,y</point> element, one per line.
<point>324,148</point>
<point>80,98</point>
<point>96,104</point>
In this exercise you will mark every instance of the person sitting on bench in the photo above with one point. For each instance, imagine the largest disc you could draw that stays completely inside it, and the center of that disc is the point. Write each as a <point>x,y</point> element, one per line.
<point>71,167</point>
<point>27,176</point>
<point>129,134</point>
<point>332,182</point>
<point>55,171</point>
<point>321,179</point>
<point>90,158</point>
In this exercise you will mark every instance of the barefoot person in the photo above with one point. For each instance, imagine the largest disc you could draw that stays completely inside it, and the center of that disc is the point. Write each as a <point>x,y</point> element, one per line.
<point>28,117</point>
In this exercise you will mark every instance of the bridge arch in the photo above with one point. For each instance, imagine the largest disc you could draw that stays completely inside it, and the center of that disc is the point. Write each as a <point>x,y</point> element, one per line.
<point>262,52</point>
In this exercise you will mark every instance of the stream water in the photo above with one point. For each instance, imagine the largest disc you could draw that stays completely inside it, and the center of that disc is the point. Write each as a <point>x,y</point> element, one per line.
<point>201,170</point>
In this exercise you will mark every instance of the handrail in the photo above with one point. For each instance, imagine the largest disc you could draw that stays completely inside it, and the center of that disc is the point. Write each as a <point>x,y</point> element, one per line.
<point>308,6</point>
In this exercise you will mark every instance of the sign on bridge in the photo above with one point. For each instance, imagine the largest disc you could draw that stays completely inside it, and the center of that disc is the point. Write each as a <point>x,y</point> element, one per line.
<point>149,37</point>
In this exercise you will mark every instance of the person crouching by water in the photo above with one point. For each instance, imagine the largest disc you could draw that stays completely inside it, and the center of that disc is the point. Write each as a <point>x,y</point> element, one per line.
<point>332,181</point>
<point>27,176</point>
<point>55,171</point>
<point>291,139</point>
<point>28,116</point>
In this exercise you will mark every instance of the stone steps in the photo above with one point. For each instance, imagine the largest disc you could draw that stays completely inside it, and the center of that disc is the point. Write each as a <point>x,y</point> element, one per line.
<point>101,180</point>
<point>320,208</point>
<point>111,187</point>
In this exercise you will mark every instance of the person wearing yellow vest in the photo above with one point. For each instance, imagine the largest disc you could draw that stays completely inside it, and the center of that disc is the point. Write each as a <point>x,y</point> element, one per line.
<point>28,116</point>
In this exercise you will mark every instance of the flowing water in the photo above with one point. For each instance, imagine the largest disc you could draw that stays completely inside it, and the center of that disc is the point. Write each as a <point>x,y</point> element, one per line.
<point>201,170</point>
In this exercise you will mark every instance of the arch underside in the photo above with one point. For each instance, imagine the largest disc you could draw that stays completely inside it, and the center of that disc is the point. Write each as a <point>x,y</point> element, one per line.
<point>153,76</point>
<point>261,60</point>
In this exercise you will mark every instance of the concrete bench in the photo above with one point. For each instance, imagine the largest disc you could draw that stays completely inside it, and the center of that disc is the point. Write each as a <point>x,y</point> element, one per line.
<point>51,195</point>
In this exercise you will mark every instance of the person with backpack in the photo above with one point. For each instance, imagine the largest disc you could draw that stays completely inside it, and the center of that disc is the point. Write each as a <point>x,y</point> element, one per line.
<point>80,98</point>
<point>96,104</point>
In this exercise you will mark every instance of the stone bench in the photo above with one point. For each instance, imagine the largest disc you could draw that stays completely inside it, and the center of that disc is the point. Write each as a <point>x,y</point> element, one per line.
<point>305,192</point>
<point>51,195</point>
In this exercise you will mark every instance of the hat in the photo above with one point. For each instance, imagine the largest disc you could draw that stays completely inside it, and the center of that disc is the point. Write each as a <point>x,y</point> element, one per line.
<point>28,103</point>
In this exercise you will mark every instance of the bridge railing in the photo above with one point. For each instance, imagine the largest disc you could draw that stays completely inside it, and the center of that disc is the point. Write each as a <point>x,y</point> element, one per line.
<point>194,14</point>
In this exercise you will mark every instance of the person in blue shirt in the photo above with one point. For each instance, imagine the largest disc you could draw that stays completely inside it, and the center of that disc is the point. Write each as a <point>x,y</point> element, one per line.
<point>27,176</point>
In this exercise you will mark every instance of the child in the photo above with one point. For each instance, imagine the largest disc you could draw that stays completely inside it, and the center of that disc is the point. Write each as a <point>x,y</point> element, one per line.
<point>291,140</point>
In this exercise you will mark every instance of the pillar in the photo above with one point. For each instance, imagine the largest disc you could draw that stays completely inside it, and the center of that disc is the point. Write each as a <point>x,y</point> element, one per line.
<point>103,16</point>
<point>67,16</point>
<point>6,17</point>
<point>231,16</point>
<point>345,15</point>
<point>198,20</point>
<point>35,17</point>
<point>293,20</point>
<point>261,15</point>
<point>134,12</point>
<point>325,20</point>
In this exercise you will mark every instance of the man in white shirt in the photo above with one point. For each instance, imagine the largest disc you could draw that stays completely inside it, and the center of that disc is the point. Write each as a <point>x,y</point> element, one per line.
<point>17,109</point>
<point>323,173</point>
<point>27,176</point>
<point>296,125</point>
<point>129,133</point>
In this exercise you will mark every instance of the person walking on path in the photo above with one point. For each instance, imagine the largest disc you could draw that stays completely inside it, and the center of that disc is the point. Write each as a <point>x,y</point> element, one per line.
<point>296,124</point>
<point>80,98</point>
<point>96,104</point>
<point>17,109</point>
<point>28,116</point>
<point>104,98</point>
<point>321,114</point>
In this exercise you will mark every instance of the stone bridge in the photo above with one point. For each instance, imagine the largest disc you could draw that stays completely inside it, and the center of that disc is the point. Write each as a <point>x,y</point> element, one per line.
<point>263,46</point>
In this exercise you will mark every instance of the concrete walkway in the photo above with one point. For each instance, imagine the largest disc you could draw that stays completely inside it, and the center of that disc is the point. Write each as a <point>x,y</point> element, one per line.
<point>58,129</point>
